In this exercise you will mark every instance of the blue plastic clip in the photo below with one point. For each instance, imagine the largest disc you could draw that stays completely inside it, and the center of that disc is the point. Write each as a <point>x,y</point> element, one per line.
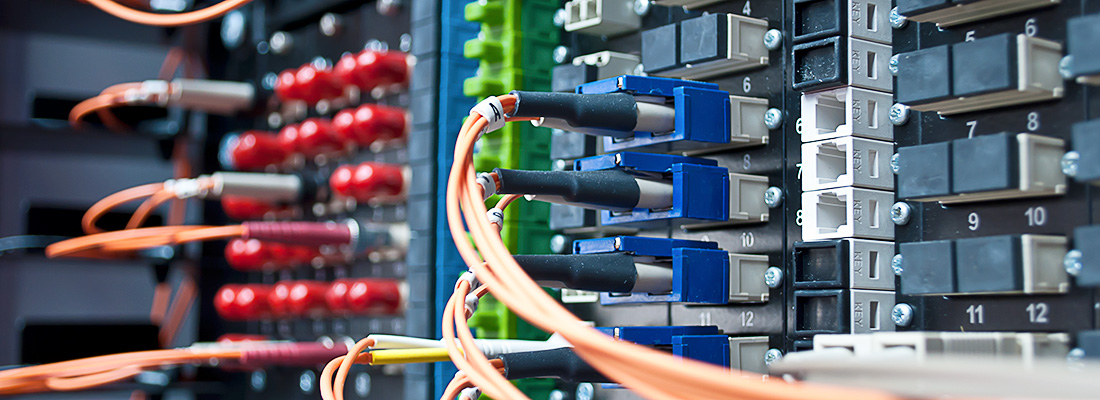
<point>700,270</point>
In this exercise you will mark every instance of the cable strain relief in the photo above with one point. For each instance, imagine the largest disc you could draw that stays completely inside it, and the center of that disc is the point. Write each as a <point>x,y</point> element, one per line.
<point>300,232</point>
<point>291,354</point>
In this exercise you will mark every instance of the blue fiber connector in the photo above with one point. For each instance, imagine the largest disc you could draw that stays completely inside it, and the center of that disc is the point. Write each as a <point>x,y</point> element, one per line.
<point>700,270</point>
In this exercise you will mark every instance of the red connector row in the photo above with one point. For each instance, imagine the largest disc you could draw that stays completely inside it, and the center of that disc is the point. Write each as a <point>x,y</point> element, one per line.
<point>363,127</point>
<point>367,182</point>
<point>255,255</point>
<point>366,71</point>
<point>291,299</point>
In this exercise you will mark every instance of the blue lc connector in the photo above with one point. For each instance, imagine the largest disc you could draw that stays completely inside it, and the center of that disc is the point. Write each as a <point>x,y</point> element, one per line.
<point>700,270</point>
<point>700,188</point>
<point>702,112</point>
<point>703,343</point>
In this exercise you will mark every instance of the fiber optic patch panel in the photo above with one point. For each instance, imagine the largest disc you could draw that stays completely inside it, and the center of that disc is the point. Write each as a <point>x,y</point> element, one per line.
<point>788,188</point>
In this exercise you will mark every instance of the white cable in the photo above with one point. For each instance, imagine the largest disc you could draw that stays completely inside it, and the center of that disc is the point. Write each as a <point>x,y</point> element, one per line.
<point>404,342</point>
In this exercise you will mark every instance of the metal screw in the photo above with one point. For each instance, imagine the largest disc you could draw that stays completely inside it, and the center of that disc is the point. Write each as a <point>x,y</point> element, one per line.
<point>902,314</point>
<point>560,17</point>
<point>269,81</point>
<point>258,380</point>
<point>896,264</point>
<point>281,42</point>
<point>559,244</point>
<point>556,395</point>
<point>1064,67</point>
<point>362,384</point>
<point>773,277</point>
<point>773,196</point>
<point>900,212</point>
<point>585,391</point>
<point>896,20</point>
<point>331,24</point>
<point>560,165</point>
<point>772,355</point>
<point>773,118</point>
<point>389,7</point>
<point>1072,262</point>
<point>641,7</point>
<point>305,381</point>
<point>899,114</point>
<point>639,70</point>
<point>895,161</point>
<point>1070,163</point>
<point>405,42</point>
<point>1075,355</point>
<point>561,54</point>
<point>773,39</point>
<point>894,60</point>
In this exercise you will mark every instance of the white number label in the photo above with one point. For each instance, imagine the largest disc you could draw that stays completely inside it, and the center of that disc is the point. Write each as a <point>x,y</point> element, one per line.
<point>798,126</point>
<point>748,239</point>
<point>747,9</point>
<point>799,165</point>
<point>705,318</point>
<point>1033,121</point>
<point>973,125</point>
<point>977,314</point>
<point>798,217</point>
<point>1037,313</point>
<point>1030,27</point>
<point>747,163</point>
<point>974,221</point>
<point>746,318</point>
<point>1036,216</point>
<point>970,36</point>
<point>746,85</point>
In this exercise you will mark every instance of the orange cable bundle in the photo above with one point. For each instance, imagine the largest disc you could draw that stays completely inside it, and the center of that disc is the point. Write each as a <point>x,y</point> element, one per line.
<point>167,20</point>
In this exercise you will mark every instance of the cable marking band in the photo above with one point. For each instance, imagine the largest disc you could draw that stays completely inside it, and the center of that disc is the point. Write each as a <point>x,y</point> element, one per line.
<point>492,111</point>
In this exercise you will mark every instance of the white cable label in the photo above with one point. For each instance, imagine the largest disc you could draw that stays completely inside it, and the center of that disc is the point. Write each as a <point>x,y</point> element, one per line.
<point>488,185</point>
<point>492,111</point>
<point>496,216</point>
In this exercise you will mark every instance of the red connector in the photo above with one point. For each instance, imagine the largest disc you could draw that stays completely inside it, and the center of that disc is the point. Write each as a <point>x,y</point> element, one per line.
<point>371,69</point>
<point>316,84</point>
<point>369,181</point>
<point>243,208</point>
<point>252,151</point>
<point>243,302</point>
<point>316,136</point>
<point>286,87</point>
<point>370,123</point>
<point>374,296</point>
<point>298,298</point>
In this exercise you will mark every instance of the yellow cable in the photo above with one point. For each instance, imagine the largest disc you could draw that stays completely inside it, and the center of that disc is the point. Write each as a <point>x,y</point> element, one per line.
<point>408,356</point>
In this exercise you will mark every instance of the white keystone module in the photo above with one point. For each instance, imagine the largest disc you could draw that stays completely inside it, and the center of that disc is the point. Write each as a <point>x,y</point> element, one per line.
<point>847,213</point>
<point>747,278</point>
<point>601,17</point>
<point>846,111</point>
<point>609,63</point>
<point>869,65</point>
<point>870,20</point>
<point>847,161</point>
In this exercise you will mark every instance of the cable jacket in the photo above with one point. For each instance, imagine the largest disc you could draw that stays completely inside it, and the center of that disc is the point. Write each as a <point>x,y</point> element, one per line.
<point>610,272</point>
<point>607,188</point>
<point>616,111</point>
<point>298,232</point>
<point>557,363</point>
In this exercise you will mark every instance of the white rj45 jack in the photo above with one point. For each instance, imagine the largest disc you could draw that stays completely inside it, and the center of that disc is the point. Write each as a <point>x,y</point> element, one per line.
<point>846,111</point>
<point>847,212</point>
<point>847,161</point>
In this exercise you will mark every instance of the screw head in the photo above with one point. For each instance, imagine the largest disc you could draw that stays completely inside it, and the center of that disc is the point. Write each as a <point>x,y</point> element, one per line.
<point>559,165</point>
<point>362,384</point>
<point>1075,355</point>
<point>281,42</point>
<point>1070,162</point>
<point>556,395</point>
<point>560,16</point>
<point>773,197</point>
<point>305,381</point>
<point>896,20</point>
<point>639,70</point>
<point>894,60</point>
<point>902,314</point>
<point>895,163</point>
<point>896,264</point>
<point>258,380</point>
<point>585,391</point>
<point>559,244</point>
<point>899,114</point>
<point>773,118</point>
<point>641,7</point>
<point>330,24</point>
<point>561,54</point>
<point>900,213</point>
<point>1065,67</point>
<point>389,7</point>
<point>773,277</point>
<point>1072,262</point>
<point>772,355</point>
<point>773,39</point>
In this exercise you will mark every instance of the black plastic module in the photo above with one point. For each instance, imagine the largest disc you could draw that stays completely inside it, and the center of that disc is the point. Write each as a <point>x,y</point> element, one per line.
<point>984,65</point>
<point>1086,239</point>
<point>820,311</point>
<point>1082,34</point>
<point>916,7</point>
<point>1089,341</point>
<point>1086,142</point>
<point>660,48</point>
<point>924,75</point>
<point>816,19</point>
<point>984,163</point>
<point>820,63</point>
<point>988,264</point>
<point>704,39</point>
<point>566,77</point>
<point>924,170</point>
<point>928,267</point>
<point>821,265</point>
